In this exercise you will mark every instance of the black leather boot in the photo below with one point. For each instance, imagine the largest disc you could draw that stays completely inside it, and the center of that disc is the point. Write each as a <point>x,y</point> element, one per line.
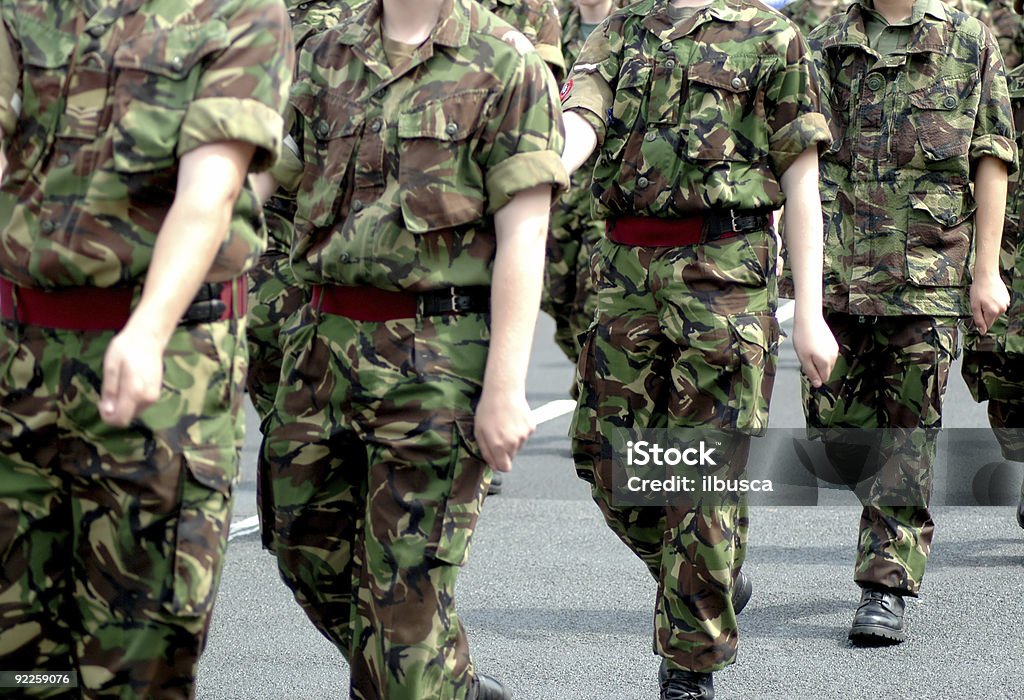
<point>685,685</point>
<point>487,688</point>
<point>879,619</point>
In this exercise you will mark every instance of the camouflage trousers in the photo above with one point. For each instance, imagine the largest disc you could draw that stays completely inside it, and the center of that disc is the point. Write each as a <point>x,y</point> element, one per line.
<point>889,381</point>
<point>683,337</point>
<point>377,485</point>
<point>998,377</point>
<point>274,295</point>
<point>112,539</point>
<point>568,290</point>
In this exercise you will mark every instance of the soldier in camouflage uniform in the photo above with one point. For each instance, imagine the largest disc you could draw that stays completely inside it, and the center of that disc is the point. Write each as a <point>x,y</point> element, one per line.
<point>404,378</point>
<point>1008,27</point>
<point>274,295</point>
<point>685,335</point>
<point>919,111</point>
<point>568,291</point>
<point>126,229</point>
<point>993,364</point>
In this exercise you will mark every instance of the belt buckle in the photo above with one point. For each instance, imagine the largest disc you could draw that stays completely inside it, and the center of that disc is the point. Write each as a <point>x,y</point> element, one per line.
<point>454,301</point>
<point>733,222</point>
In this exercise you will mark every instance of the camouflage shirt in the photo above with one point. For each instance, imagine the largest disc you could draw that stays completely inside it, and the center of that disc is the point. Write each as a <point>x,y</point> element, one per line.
<point>805,15</point>
<point>908,129</point>
<point>708,114</point>
<point>111,97</point>
<point>537,20</point>
<point>403,171</point>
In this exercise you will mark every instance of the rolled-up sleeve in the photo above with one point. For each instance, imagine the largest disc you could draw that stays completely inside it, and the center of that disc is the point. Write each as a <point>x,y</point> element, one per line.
<point>792,107</point>
<point>993,127</point>
<point>589,89</point>
<point>525,136</point>
<point>242,92</point>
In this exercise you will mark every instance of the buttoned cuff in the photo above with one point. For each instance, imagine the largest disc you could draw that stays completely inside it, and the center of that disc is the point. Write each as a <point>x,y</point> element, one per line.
<point>998,147</point>
<point>521,172</point>
<point>217,119</point>
<point>794,138</point>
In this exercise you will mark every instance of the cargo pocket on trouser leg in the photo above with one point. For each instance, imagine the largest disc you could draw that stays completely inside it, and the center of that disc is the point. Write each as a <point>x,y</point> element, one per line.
<point>201,531</point>
<point>470,477</point>
<point>756,342</point>
<point>583,429</point>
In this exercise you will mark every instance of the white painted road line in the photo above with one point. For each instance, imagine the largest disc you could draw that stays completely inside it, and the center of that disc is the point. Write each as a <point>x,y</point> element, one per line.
<point>542,414</point>
<point>786,311</point>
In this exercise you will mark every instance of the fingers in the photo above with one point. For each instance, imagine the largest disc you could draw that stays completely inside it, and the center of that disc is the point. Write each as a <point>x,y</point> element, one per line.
<point>127,389</point>
<point>498,450</point>
<point>111,389</point>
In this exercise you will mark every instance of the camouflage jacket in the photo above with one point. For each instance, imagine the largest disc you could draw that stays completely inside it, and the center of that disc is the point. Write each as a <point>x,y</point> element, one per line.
<point>709,114</point>
<point>805,16</point>
<point>1007,334</point>
<point>308,17</point>
<point>572,42</point>
<point>403,171</point>
<point>537,20</point>
<point>908,130</point>
<point>110,99</point>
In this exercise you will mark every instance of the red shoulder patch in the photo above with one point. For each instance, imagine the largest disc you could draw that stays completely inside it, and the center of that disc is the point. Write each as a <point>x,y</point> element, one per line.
<point>566,89</point>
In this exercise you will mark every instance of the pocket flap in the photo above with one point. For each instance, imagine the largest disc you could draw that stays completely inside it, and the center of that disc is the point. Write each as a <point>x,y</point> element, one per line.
<point>731,73</point>
<point>947,205</point>
<point>450,119</point>
<point>173,53</point>
<point>328,116</point>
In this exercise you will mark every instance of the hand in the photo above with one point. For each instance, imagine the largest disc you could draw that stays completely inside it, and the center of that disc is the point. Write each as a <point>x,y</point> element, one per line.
<point>989,299</point>
<point>133,370</point>
<point>815,346</point>
<point>503,423</point>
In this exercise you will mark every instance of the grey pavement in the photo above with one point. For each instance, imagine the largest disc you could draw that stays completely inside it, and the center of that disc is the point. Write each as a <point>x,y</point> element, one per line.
<point>559,609</point>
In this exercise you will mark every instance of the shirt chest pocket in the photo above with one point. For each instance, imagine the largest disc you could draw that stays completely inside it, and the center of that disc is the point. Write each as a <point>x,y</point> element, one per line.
<point>331,129</point>
<point>45,62</point>
<point>942,117</point>
<point>156,78</point>
<point>441,183</point>
<point>725,108</point>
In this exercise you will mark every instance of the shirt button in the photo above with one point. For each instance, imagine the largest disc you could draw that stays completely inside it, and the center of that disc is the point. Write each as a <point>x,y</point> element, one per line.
<point>177,62</point>
<point>670,64</point>
<point>48,226</point>
<point>451,129</point>
<point>96,31</point>
<point>322,129</point>
<point>345,257</point>
<point>737,83</point>
<point>376,126</point>
<point>875,82</point>
<point>63,160</point>
<point>357,205</point>
<point>667,46</point>
<point>651,136</point>
<point>642,182</point>
<point>949,102</point>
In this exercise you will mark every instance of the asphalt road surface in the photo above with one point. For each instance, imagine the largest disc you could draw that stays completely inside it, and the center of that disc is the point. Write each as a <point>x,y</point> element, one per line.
<point>559,609</point>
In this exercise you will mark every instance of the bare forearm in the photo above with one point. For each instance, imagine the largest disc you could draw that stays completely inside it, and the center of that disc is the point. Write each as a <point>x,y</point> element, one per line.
<point>990,192</point>
<point>804,231</point>
<point>580,141</point>
<point>516,288</point>
<point>195,226</point>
